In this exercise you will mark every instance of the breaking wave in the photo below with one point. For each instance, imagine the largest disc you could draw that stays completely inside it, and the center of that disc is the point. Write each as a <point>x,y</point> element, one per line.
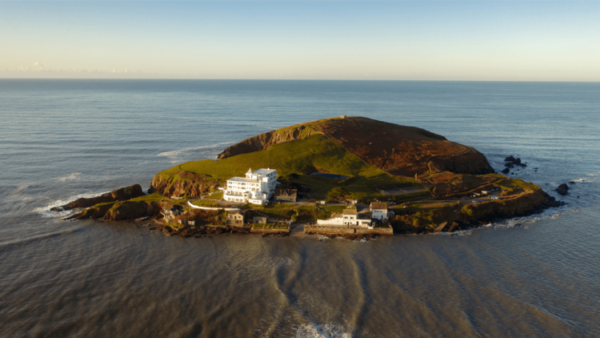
<point>70,177</point>
<point>47,212</point>
<point>174,154</point>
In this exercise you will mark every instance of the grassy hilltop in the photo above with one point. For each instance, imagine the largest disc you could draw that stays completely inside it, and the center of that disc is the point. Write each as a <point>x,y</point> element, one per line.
<point>372,154</point>
<point>294,161</point>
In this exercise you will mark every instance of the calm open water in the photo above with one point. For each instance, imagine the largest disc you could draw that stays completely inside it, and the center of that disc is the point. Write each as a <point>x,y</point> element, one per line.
<point>64,139</point>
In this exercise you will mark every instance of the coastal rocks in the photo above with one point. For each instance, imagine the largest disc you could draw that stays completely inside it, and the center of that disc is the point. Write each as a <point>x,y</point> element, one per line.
<point>131,210</point>
<point>122,194</point>
<point>563,189</point>
<point>200,231</point>
<point>95,212</point>
<point>119,211</point>
<point>183,184</point>
<point>505,171</point>
<point>449,219</point>
<point>524,204</point>
<point>511,162</point>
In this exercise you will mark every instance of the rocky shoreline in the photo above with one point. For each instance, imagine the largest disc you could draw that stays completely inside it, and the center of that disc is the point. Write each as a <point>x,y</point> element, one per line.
<point>471,216</point>
<point>461,189</point>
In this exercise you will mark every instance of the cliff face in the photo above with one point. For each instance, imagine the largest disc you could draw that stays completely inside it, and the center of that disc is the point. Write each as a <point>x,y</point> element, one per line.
<point>397,150</point>
<point>122,194</point>
<point>182,183</point>
<point>266,140</point>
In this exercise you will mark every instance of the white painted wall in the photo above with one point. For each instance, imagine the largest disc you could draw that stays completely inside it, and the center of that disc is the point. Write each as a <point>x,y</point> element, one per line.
<point>379,214</point>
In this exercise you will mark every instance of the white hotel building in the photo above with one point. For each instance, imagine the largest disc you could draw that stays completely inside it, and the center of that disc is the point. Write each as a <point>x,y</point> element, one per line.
<point>256,188</point>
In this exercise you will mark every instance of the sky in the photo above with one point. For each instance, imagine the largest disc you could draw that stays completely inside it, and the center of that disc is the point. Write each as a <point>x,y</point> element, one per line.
<point>335,40</point>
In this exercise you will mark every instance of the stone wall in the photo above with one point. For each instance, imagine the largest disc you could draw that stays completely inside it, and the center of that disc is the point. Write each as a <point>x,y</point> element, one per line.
<point>333,230</point>
<point>270,231</point>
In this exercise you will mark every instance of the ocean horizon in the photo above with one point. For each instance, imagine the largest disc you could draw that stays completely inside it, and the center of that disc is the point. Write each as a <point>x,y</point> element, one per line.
<point>69,138</point>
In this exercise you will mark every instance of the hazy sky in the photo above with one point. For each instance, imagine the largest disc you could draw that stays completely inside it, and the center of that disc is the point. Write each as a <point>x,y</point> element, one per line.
<point>393,40</point>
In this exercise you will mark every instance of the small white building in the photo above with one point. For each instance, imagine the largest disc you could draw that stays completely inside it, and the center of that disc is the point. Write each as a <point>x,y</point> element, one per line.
<point>379,210</point>
<point>256,188</point>
<point>348,218</point>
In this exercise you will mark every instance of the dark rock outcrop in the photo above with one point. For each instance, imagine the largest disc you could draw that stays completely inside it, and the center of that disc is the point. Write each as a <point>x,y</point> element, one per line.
<point>562,189</point>
<point>120,211</point>
<point>511,161</point>
<point>122,194</point>
<point>183,183</point>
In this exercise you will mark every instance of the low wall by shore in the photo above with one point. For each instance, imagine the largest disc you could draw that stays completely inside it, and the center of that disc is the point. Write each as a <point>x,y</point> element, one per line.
<point>338,230</point>
<point>270,231</point>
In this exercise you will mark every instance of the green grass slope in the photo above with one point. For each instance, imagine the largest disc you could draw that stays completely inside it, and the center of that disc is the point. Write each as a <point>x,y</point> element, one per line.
<point>298,157</point>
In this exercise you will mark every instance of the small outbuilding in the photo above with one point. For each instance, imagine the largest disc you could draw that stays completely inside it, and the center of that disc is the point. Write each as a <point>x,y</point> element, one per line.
<point>235,218</point>
<point>379,210</point>
<point>350,216</point>
<point>259,220</point>
<point>285,195</point>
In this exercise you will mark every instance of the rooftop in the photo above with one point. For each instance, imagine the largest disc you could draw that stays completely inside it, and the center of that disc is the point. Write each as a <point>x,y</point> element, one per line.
<point>379,205</point>
<point>242,179</point>
<point>350,211</point>
<point>264,171</point>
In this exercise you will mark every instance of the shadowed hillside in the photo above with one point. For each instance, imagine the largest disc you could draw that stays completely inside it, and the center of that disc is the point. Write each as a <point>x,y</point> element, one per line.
<point>397,150</point>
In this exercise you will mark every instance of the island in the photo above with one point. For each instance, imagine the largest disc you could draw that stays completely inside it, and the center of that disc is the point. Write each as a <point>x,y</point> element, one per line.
<point>350,177</point>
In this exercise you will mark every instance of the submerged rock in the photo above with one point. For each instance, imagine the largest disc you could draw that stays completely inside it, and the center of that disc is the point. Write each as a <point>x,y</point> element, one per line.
<point>562,189</point>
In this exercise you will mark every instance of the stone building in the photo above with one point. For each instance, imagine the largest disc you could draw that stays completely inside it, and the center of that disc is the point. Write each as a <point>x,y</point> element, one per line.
<point>285,195</point>
<point>259,220</point>
<point>235,218</point>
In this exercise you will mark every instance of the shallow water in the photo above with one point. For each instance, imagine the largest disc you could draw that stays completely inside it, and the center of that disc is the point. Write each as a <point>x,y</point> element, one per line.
<point>533,276</point>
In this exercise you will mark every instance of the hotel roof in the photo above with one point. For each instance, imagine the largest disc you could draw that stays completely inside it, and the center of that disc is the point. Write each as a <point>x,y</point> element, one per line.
<point>264,171</point>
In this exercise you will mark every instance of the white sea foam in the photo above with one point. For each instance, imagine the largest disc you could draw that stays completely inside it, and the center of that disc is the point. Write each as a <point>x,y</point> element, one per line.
<point>70,177</point>
<point>322,331</point>
<point>47,212</point>
<point>175,153</point>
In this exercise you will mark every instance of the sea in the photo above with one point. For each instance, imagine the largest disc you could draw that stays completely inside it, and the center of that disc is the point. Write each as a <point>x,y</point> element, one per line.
<point>535,276</point>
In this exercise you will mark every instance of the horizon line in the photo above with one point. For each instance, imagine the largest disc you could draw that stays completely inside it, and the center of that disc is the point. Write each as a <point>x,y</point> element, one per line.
<point>324,80</point>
